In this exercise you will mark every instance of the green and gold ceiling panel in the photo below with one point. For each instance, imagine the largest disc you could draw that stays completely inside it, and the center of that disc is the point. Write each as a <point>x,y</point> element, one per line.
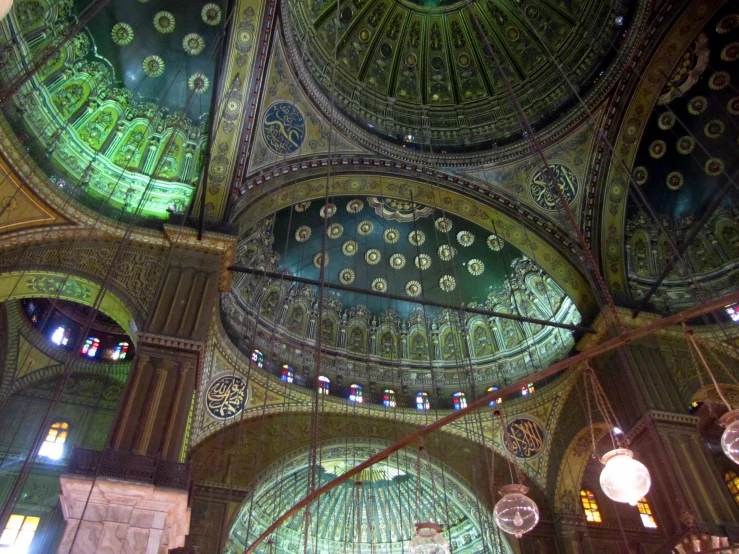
<point>408,73</point>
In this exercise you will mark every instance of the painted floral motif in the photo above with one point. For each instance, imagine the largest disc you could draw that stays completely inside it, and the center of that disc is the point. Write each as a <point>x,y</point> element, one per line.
<point>164,22</point>
<point>641,175</point>
<point>153,66</point>
<point>355,206</point>
<point>733,106</point>
<point>727,24</point>
<point>423,261</point>
<point>447,252</point>
<point>122,34</point>
<point>365,228</point>
<point>666,121</point>
<point>674,180</point>
<point>211,14</point>
<point>714,167</point>
<point>193,44</point>
<point>417,238</point>
<point>719,80</point>
<point>379,285</point>
<point>413,288</point>
<point>495,243</point>
<point>329,209</point>
<point>714,128</point>
<point>730,53</point>
<point>302,206</point>
<point>391,236</point>
<point>685,145</point>
<point>346,276</point>
<point>443,224</point>
<point>349,248</point>
<point>397,261</point>
<point>321,257</point>
<point>198,83</point>
<point>303,233</point>
<point>697,105</point>
<point>465,238</point>
<point>475,267</point>
<point>335,230</point>
<point>372,256</point>
<point>657,149</point>
<point>447,283</point>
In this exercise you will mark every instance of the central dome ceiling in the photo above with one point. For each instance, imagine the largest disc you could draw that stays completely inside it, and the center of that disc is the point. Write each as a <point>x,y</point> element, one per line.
<point>409,68</point>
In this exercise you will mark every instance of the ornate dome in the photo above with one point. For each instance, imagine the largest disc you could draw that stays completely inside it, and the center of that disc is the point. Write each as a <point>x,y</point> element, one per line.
<point>409,68</point>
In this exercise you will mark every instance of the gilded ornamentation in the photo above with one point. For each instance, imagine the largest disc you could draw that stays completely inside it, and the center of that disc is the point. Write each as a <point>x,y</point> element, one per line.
<point>335,230</point>
<point>164,22</point>
<point>443,224</point>
<point>733,106</point>
<point>211,14</point>
<point>641,175</point>
<point>447,283</point>
<point>54,286</point>
<point>379,285</point>
<point>303,233</point>
<point>685,145</point>
<point>365,228</point>
<point>391,236</point>
<point>730,53</point>
<point>541,187</point>
<point>354,206</point>
<point>423,261</point>
<point>416,238</point>
<point>697,105</point>
<point>465,238</point>
<point>153,66</point>
<point>397,261</point>
<point>524,438</point>
<point>666,121</point>
<point>302,206</point>
<point>719,80</point>
<point>727,24</point>
<point>657,149</point>
<point>198,83</point>
<point>346,276</point>
<point>193,44</point>
<point>446,252</point>
<point>319,260</point>
<point>226,397</point>
<point>413,288</point>
<point>475,266</point>
<point>349,248</point>
<point>687,72</point>
<point>714,166</point>
<point>674,180</point>
<point>372,256</point>
<point>122,34</point>
<point>714,128</point>
<point>283,128</point>
<point>495,243</point>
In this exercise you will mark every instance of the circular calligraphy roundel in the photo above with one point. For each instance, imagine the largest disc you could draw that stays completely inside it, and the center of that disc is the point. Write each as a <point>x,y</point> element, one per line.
<point>524,438</point>
<point>226,396</point>
<point>542,192</point>
<point>283,127</point>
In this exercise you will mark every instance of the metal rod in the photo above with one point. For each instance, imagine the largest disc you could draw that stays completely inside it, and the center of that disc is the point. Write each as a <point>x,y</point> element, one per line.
<point>427,302</point>
<point>616,342</point>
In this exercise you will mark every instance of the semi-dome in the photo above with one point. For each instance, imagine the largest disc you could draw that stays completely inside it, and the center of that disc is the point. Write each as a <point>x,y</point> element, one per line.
<point>430,71</point>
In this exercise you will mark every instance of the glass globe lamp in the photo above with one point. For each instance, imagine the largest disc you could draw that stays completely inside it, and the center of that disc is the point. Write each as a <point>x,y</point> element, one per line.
<point>623,478</point>
<point>730,438</point>
<point>516,513</point>
<point>428,540</point>
<point>5,6</point>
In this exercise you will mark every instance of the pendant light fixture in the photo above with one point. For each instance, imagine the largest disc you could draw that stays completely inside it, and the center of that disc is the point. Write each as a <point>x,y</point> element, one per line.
<point>429,540</point>
<point>515,513</point>
<point>730,438</point>
<point>5,6</point>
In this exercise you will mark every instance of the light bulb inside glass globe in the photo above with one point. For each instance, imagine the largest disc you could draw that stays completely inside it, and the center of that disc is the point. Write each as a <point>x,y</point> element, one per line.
<point>428,540</point>
<point>730,438</point>
<point>623,478</point>
<point>516,513</point>
<point>5,6</point>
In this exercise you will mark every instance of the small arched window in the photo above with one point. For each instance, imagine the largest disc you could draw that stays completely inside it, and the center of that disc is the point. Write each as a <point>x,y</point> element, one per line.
<point>60,336</point>
<point>288,374</point>
<point>90,348</point>
<point>355,393</point>
<point>732,483</point>
<point>422,401</point>
<point>460,402</point>
<point>53,445</point>
<point>120,351</point>
<point>645,512</point>
<point>494,402</point>
<point>388,398</point>
<point>258,358</point>
<point>18,533</point>
<point>324,385</point>
<point>590,506</point>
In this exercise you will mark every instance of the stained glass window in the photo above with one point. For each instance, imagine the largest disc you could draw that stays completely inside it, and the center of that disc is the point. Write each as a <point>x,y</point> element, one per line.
<point>590,506</point>
<point>120,351</point>
<point>460,402</point>
<point>528,389</point>
<point>90,348</point>
<point>645,512</point>
<point>288,375</point>
<point>355,394</point>
<point>258,358</point>
<point>324,385</point>
<point>732,483</point>
<point>18,533</point>
<point>494,402</point>
<point>60,336</point>
<point>53,445</point>
<point>733,312</point>
<point>388,398</point>
<point>422,401</point>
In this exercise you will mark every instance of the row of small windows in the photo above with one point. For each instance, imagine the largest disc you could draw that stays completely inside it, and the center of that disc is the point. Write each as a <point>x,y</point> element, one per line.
<point>90,348</point>
<point>592,512</point>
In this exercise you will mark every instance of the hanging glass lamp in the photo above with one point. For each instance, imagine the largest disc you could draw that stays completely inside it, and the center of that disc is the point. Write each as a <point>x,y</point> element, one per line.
<point>515,513</point>
<point>623,478</point>
<point>428,540</point>
<point>730,438</point>
<point>5,6</point>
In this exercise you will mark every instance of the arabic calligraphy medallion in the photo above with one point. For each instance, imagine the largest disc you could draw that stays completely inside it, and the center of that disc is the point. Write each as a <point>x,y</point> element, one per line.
<point>226,396</point>
<point>542,192</point>
<point>283,127</point>
<point>524,438</point>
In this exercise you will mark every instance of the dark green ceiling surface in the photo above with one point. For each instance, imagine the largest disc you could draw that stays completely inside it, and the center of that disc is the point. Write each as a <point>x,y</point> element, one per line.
<point>298,256</point>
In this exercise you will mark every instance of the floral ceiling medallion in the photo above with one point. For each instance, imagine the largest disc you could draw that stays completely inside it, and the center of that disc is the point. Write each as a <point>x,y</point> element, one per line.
<point>379,285</point>
<point>355,206</point>
<point>443,224</point>
<point>328,210</point>
<point>688,71</point>
<point>346,276</point>
<point>318,258</point>
<point>641,175</point>
<point>685,145</point>
<point>372,256</point>
<point>413,288</point>
<point>302,206</point>
<point>495,243</point>
<point>465,238</point>
<point>335,230</point>
<point>198,83</point>
<point>423,261</point>
<point>674,180</point>
<point>394,209</point>
<point>397,261</point>
<point>391,236</point>
<point>447,283</point>
<point>153,66</point>
<point>193,44</point>
<point>417,238</point>
<point>475,267</point>
<point>349,248</point>
<point>164,22</point>
<point>122,34</point>
<point>303,233</point>
<point>211,14</point>
<point>365,228</point>
<point>447,252</point>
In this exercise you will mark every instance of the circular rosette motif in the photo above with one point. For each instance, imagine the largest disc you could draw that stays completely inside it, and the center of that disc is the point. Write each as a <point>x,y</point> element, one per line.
<point>657,149</point>
<point>733,106</point>
<point>379,285</point>
<point>727,24</point>
<point>714,167</point>
<point>413,288</point>
<point>714,128</point>
<point>666,121</point>
<point>153,66</point>
<point>164,22</point>
<point>641,175</point>
<point>447,283</point>
<point>198,83</point>
<point>328,210</point>
<point>335,230</point>
<point>674,180</point>
<point>397,261</point>
<point>465,238</point>
<point>193,44</point>
<point>495,243</point>
<point>346,276</point>
<point>686,144</point>
<point>417,238</point>
<point>475,267</point>
<point>303,233</point>
<point>365,228</point>
<point>349,248</point>
<point>318,258</point>
<point>423,261</point>
<point>697,105</point>
<point>372,256</point>
<point>443,224</point>
<point>719,80</point>
<point>211,14</point>
<point>447,252</point>
<point>391,236</point>
<point>730,53</point>
<point>122,34</point>
<point>355,206</point>
<point>302,206</point>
